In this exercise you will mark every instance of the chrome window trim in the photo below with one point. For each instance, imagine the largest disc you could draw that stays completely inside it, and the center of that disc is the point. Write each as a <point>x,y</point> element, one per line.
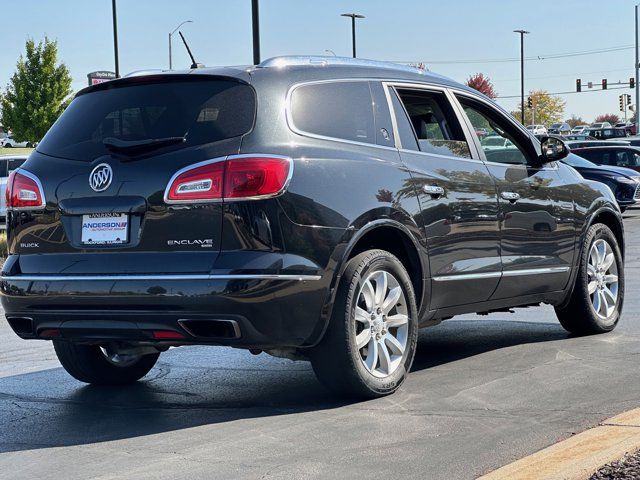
<point>32,176</point>
<point>232,199</point>
<point>167,277</point>
<point>504,273</point>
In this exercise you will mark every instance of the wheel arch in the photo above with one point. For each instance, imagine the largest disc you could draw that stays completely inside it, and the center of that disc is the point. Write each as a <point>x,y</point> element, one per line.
<point>386,234</point>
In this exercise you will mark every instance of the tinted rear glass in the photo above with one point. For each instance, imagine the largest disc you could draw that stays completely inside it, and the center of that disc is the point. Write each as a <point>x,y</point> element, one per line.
<point>203,111</point>
<point>337,109</point>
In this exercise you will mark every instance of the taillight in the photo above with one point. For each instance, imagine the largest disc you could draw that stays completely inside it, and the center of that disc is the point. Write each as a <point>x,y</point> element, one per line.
<point>203,183</point>
<point>24,190</point>
<point>236,177</point>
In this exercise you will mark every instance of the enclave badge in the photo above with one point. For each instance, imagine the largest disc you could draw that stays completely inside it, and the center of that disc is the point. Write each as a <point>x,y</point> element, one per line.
<point>100,177</point>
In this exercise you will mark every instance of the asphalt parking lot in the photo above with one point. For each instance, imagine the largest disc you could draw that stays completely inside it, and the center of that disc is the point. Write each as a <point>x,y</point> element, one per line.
<point>484,391</point>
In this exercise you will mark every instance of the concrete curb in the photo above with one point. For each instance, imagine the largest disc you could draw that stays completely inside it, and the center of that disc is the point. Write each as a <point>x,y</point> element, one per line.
<point>578,457</point>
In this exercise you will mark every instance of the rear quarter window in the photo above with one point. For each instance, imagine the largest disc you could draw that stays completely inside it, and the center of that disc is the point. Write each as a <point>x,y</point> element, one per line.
<point>342,110</point>
<point>201,110</point>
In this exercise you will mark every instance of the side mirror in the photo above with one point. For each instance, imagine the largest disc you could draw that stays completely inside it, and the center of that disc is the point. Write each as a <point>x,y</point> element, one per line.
<point>553,149</point>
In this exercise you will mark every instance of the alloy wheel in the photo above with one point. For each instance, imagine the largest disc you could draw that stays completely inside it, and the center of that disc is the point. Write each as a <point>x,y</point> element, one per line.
<point>602,273</point>
<point>382,323</point>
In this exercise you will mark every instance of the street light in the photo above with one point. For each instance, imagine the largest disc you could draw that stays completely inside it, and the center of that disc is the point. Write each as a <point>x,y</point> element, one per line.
<point>522,34</point>
<point>353,28</point>
<point>637,69</point>
<point>115,37</point>
<point>170,35</point>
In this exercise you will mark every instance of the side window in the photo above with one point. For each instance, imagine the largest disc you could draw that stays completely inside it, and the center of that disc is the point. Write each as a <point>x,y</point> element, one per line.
<point>405,130</point>
<point>434,123</point>
<point>3,168</point>
<point>635,162</point>
<point>499,143</point>
<point>335,109</point>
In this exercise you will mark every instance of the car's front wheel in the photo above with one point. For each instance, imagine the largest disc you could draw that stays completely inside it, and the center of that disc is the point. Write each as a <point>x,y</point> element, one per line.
<point>596,302</point>
<point>102,365</point>
<point>370,343</point>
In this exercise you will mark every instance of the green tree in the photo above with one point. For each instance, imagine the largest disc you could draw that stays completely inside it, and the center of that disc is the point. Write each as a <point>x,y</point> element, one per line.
<point>37,93</point>
<point>547,109</point>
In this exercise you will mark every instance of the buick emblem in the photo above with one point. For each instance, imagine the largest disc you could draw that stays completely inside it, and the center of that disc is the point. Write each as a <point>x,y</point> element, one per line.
<point>100,177</point>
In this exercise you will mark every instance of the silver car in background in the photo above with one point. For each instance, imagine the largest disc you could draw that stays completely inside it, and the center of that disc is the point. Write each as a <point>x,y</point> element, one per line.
<point>8,163</point>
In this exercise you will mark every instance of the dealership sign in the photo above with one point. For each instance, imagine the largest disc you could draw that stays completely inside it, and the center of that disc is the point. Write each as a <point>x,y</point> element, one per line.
<point>100,77</point>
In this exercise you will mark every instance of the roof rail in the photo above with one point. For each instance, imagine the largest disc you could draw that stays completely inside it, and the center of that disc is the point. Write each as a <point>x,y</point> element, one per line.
<point>140,73</point>
<point>321,61</point>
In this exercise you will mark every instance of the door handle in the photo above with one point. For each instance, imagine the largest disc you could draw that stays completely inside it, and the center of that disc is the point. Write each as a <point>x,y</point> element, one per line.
<point>513,197</point>
<point>434,190</point>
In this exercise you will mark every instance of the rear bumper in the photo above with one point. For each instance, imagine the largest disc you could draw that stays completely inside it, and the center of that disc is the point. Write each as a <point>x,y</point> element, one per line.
<point>252,310</point>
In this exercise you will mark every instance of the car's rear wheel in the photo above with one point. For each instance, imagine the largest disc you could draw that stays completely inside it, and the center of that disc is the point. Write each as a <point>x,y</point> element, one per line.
<point>370,343</point>
<point>596,302</point>
<point>102,365</point>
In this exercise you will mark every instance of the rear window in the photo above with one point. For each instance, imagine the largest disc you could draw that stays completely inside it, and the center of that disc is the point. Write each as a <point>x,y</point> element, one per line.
<point>341,110</point>
<point>201,110</point>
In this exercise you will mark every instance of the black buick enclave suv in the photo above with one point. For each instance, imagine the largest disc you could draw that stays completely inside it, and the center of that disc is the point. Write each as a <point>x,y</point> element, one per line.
<point>311,208</point>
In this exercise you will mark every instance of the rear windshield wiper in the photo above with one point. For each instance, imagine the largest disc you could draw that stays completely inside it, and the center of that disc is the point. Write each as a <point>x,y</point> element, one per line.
<point>140,146</point>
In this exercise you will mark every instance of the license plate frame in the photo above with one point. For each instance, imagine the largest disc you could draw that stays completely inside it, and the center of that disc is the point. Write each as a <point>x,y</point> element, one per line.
<point>105,229</point>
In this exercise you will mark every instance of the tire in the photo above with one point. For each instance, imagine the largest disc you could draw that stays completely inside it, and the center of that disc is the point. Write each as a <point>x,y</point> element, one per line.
<point>29,145</point>
<point>337,361</point>
<point>584,315</point>
<point>7,145</point>
<point>91,364</point>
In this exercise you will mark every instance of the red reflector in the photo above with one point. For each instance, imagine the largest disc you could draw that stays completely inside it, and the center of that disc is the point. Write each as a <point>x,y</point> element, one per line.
<point>199,183</point>
<point>237,177</point>
<point>49,333</point>
<point>166,335</point>
<point>24,190</point>
<point>255,176</point>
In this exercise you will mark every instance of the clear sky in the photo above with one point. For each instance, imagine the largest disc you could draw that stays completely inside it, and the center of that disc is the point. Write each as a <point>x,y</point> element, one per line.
<point>432,31</point>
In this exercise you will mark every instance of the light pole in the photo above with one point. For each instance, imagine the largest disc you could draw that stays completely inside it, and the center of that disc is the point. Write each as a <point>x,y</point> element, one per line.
<point>637,69</point>
<point>255,27</point>
<point>353,29</point>
<point>115,37</point>
<point>522,34</point>
<point>170,35</point>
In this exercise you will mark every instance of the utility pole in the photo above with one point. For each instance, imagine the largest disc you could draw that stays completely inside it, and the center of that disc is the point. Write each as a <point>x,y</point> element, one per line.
<point>522,34</point>
<point>115,37</point>
<point>637,68</point>
<point>353,17</point>
<point>255,24</point>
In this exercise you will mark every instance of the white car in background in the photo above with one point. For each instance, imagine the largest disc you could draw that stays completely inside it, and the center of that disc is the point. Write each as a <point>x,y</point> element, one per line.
<point>537,129</point>
<point>9,142</point>
<point>599,125</point>
<point>8,163</point>
<point>580,129</point>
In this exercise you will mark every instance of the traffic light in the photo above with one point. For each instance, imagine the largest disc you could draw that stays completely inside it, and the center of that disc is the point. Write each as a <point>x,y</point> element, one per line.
<point>628,100</point>
<point>632,82</point>
<point>604,83</point>
<point>578,85</point>
<point>530,102</point>
<point>621,98</point>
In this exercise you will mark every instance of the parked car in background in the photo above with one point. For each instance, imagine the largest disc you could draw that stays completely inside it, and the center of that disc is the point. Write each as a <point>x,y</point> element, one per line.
<point>623,182</point>
<point>495,142</point>
<point>630,128</point>
<point>271,208</point>
<point>599,125</point>
<point>580,129</point>
<point>8,163</point>
<point>607,133</point>
<point>617,156</point>
<point>577,137</point>
<point>9,142</point>
<point>537,129</point>
<point>561,128</point>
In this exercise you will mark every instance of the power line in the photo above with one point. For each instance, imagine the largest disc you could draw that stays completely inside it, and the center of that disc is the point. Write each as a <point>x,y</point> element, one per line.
<point>568,93</point>
<point>551,56</point>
